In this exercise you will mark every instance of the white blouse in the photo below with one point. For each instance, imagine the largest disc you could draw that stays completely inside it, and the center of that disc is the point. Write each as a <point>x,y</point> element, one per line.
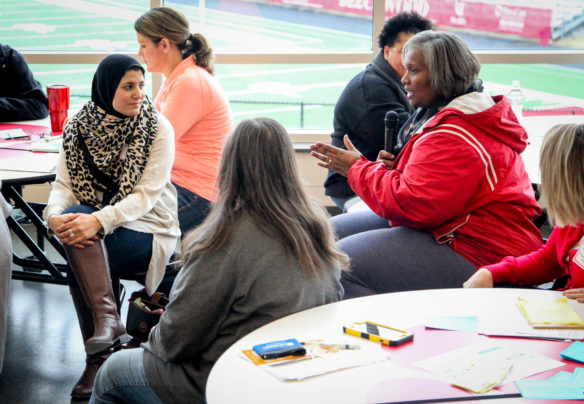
<point>151,207</point>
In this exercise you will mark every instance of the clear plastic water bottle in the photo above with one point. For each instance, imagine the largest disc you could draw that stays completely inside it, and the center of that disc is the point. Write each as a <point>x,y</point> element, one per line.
<point>515,98</point>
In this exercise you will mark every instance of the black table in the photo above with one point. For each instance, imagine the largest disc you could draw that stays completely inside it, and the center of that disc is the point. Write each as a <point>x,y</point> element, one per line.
<point>37,267</point>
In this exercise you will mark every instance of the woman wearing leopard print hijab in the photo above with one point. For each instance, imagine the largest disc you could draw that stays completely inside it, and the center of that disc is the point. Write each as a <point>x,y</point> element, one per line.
<point>112,204</point>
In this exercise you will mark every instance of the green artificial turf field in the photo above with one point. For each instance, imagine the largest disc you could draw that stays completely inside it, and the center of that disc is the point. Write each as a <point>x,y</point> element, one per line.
<point>296,95</point>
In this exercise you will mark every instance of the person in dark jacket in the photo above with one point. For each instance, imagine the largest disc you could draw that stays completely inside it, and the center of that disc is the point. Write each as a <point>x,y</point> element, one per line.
<point>21,96</point>
<point>361,108</point>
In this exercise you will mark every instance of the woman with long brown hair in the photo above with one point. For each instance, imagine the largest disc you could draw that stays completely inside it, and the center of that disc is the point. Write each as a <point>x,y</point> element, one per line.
<point>265,251</point>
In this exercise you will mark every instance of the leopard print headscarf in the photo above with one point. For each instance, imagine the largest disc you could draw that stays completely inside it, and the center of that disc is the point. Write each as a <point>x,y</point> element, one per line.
<point>119,147</point>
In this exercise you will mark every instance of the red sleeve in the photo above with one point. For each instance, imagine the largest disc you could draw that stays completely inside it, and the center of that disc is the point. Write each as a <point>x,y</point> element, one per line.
<point>538,267</point>
<point>439,179</point>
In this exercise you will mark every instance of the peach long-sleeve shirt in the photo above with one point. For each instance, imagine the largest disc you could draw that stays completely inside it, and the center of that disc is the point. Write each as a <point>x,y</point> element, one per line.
<point>194,103</point>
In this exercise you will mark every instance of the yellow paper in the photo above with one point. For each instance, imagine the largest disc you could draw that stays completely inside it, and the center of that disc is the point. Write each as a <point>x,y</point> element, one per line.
<point>556,313</point>
<point>482,378</point>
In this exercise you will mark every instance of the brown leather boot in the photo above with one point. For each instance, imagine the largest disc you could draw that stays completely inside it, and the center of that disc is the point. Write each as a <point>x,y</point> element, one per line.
<point>84,314</point>
<point>84,386</point>
<point>91,269</point>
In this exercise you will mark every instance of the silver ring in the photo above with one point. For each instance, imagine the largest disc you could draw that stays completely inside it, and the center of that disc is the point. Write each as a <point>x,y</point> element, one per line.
<point>71,234</point>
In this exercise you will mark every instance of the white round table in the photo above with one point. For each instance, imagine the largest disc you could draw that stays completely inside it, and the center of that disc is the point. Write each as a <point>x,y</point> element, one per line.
<point>233,379</point>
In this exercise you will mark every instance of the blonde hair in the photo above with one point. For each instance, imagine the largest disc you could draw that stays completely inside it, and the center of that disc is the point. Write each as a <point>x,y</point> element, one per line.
<point>166,22</point>
<point>562,173</point>
<point>258,175</point>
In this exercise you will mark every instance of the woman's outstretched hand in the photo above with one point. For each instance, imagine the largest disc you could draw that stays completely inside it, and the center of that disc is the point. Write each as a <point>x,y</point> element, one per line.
<point>334,158</point>
<point>480,279</point>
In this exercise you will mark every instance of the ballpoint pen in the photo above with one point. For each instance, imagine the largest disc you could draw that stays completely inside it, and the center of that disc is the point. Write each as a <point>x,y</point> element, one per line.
<point>339,346</point>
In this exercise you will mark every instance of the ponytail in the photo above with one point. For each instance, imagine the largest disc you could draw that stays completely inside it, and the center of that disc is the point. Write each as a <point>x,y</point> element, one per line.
<point>166,22</point>
<point>198,46</point>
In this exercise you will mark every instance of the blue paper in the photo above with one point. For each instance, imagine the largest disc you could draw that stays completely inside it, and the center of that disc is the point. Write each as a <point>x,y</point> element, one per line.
<point>574,352</point>
<point>546,389</point>
<point>578,377</point>
<point>453,323</point>
<point>562,376</point>
<point>12,133</point>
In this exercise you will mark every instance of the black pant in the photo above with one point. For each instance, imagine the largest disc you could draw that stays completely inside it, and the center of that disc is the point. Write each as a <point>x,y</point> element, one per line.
<point>192,209</point>
<point>385,259</point>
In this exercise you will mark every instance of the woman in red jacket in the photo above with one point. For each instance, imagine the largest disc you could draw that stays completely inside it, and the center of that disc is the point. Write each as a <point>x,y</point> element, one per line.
<point>457,196</point>
<point>562,181</point>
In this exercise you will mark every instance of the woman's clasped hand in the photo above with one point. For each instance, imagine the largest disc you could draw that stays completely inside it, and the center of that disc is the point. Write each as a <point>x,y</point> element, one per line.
<point>75,229</point>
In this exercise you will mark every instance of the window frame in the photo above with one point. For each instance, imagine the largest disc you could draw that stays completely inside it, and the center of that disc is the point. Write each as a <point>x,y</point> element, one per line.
<point>570,56</point>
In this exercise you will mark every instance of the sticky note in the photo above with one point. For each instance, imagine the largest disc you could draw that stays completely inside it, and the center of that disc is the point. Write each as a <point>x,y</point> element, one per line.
<point>574,352</point>
<point>453,323</point>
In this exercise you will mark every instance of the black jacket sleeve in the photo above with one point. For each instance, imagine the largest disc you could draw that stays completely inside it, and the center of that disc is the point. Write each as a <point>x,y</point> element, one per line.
<point>21,96</point>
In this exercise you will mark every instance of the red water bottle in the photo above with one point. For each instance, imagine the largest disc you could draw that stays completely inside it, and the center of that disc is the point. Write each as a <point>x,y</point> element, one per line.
<point>58,95</point>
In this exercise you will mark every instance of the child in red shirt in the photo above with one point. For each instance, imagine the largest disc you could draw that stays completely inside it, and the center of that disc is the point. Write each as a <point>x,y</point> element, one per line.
<point>562,180</point>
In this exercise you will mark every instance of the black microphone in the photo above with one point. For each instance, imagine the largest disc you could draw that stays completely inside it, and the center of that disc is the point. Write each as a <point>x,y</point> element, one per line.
<point>390,121</point>
<point>400,142</point>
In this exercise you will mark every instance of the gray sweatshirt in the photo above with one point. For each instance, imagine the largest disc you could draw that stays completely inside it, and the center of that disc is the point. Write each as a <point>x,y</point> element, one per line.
<point>219,298</point>
<point>5,270</point>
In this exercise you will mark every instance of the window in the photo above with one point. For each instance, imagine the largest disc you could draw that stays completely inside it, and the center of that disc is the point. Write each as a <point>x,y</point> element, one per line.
<point>290,59</point>
<point>70,26</point>
<point>277,26</point>
<point>300,96</point>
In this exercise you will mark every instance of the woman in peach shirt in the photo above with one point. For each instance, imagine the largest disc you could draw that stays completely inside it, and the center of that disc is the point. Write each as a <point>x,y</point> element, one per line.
<point>194,103</point>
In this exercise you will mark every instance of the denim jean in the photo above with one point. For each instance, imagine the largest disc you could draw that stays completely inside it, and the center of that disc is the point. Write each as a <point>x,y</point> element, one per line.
<point>128,251</point>
<point>192,209</point>
<point>121,379</point>
<point>340,201</point>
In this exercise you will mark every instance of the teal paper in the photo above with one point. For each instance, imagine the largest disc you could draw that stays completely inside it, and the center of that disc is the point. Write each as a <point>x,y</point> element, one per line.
<point>562,376</point>
<point>574,352</point>
<point>453,323</point>
<point>578,377</point>
<point>549,390</point>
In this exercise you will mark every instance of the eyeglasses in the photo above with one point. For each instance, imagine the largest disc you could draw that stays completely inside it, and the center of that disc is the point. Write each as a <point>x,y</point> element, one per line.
<point>396,49</point>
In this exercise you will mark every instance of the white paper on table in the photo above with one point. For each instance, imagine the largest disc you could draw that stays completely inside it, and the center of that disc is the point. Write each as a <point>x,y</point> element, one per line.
<point>30,162</point>
<point>320,366</point>
<point>459,364</point>
<point>369,353</point>
<point>46,146</point>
